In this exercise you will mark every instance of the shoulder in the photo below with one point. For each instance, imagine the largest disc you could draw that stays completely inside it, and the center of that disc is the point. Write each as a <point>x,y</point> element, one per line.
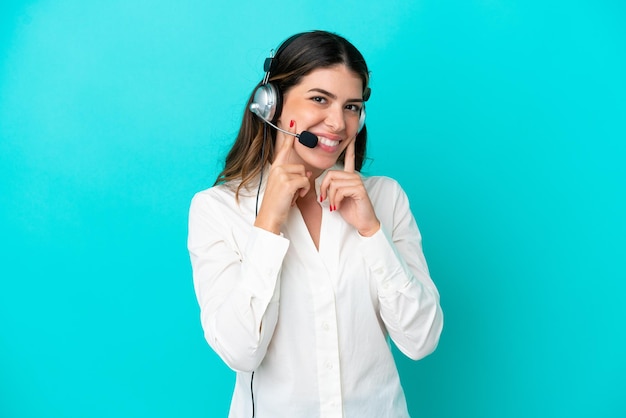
<point>219,193</point>
<point>221,201</point>
<point>216,199</point>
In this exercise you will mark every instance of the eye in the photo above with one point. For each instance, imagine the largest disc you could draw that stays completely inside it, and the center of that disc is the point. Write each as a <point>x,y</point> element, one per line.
<point>319,99</point>
<point>354,108</point>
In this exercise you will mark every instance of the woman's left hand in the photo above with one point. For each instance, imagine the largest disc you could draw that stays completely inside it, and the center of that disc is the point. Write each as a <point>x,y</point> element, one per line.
<point>347,195</point>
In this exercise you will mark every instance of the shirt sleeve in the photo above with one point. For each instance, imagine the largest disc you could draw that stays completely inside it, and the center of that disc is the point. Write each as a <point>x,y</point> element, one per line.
<point>408,299</point>
<point>238,289</point>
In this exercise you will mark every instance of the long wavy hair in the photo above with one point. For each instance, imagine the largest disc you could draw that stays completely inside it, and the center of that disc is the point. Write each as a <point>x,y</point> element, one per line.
<point>298,56</point>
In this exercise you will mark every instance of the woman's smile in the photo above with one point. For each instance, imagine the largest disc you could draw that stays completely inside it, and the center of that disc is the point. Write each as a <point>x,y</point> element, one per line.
<point>327,144</point>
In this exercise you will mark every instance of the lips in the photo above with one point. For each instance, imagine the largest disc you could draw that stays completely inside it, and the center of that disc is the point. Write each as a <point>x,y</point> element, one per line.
<point>328,142</point>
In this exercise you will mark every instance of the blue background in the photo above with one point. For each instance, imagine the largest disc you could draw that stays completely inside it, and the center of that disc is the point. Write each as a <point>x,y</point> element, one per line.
<point>504,120</point>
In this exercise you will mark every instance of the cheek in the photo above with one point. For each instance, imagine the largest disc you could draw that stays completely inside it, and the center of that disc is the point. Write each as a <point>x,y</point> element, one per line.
<point>287,115</point>
<point>291,104</point>
<point>303,112</point>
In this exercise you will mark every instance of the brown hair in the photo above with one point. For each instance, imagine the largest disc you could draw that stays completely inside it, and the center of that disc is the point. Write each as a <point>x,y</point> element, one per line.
<point>295,58</point>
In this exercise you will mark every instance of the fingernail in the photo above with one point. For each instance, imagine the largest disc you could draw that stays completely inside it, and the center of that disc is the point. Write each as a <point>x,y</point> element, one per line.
<point>291,123</point>
<point>321,199</point>
<point>331,208</point>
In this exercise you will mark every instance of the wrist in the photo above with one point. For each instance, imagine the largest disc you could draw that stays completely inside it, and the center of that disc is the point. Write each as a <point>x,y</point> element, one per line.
<point>267,224</point>
<point>368,232</point>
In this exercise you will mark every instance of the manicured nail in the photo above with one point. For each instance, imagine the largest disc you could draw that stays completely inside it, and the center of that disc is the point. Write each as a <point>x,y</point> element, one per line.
<point>321,199</point>
<point>291,123</point>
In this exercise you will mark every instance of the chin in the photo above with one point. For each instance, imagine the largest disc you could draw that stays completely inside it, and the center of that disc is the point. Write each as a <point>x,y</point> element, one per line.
<point>323,165</point>
<point>318,160</point>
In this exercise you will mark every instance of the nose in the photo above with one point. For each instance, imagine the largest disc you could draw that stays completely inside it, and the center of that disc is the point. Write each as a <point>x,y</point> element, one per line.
<point>335,119</point>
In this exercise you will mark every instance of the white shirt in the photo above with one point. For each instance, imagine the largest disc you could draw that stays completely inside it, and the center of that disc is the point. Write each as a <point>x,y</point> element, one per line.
<point>313,325</point>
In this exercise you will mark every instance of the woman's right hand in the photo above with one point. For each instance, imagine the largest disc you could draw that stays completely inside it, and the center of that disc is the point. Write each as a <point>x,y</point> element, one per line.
<point>285,183</point>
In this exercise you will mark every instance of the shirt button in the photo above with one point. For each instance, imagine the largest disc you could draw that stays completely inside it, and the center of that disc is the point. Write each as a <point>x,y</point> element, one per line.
<point>329,365</point>
<point>325,326</point>
<point>380,271</point>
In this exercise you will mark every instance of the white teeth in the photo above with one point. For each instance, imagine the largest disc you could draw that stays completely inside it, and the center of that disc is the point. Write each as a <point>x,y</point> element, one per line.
<point>328,142</point>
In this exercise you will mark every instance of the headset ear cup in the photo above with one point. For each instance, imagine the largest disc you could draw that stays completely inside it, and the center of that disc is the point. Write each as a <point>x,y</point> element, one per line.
<point>266,101</point>
<point>278,103</point>
<point>361,120</point>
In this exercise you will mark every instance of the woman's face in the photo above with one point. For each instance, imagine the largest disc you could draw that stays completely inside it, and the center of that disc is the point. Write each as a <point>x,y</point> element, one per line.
<point>327,102</point>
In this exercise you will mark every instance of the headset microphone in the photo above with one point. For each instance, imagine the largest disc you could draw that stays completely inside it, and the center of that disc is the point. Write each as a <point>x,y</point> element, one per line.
<point>306,138</point>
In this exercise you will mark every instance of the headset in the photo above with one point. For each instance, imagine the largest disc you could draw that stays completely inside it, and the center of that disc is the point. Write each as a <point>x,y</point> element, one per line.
<point>267,100</point>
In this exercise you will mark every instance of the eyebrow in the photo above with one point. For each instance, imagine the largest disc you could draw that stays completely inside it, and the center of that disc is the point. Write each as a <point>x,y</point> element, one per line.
<point>333,96</point>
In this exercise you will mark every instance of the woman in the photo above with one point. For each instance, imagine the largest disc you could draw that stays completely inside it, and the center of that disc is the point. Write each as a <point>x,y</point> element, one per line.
<point>303,268</point>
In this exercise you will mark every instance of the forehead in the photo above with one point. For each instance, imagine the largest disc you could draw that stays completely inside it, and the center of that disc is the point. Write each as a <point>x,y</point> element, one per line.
<point>339,80</point>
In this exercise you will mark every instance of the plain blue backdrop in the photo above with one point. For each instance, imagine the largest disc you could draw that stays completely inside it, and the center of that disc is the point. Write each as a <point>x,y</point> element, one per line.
<point>504,120</point>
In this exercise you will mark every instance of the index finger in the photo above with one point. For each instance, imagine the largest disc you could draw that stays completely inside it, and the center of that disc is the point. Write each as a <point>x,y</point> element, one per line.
<point>348,163</point>
<point>282,156</point>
